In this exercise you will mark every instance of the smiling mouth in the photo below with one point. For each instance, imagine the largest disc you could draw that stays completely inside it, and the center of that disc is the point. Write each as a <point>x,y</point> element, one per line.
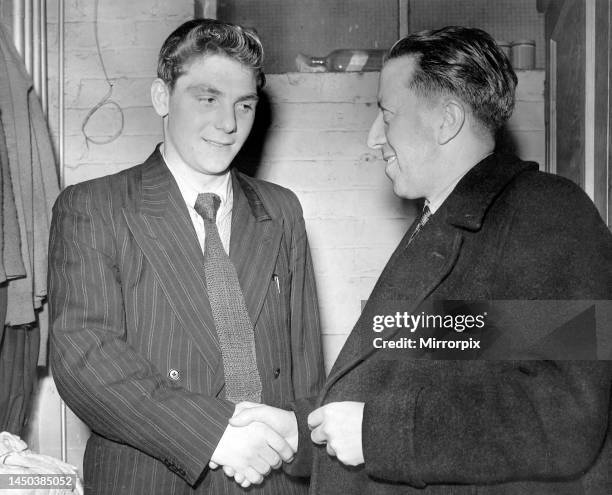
<point>389,158</point>
<point>217,144</point>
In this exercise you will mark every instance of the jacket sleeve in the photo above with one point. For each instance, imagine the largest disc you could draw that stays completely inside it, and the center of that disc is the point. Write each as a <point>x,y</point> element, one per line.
<point>487,422</point>
<point>308,372</point>
<point>306,350</point>
<point>118,393</point>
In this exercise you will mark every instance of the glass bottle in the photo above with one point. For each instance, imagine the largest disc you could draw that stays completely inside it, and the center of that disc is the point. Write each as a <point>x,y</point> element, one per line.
<point>351,60</point>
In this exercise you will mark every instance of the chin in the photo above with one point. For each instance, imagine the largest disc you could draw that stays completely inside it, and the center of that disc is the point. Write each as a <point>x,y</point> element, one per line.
<point>215,168</point>
<point>404,193</point>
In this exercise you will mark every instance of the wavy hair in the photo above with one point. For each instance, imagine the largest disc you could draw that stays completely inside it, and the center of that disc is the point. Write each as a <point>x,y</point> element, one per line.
<point>209,36</point>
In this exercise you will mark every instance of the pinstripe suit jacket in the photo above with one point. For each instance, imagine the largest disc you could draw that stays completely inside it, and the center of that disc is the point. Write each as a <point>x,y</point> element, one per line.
<point>134,348</point>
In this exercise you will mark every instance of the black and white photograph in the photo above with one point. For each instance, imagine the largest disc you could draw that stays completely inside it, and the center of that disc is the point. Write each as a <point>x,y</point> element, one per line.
<point>292,247</point>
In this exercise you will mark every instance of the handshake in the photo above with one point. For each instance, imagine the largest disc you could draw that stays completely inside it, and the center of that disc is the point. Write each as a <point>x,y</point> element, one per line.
<point>259,438</point>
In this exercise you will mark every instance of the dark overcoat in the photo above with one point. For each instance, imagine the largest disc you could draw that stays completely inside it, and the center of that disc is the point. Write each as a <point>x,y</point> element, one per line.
<point>529,427</point>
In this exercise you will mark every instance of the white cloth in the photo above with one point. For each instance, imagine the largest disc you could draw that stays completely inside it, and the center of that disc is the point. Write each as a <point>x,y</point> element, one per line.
<point>16,459</point>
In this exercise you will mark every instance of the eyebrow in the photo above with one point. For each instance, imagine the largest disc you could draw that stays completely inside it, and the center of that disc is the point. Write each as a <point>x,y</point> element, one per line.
<point>202,88</point>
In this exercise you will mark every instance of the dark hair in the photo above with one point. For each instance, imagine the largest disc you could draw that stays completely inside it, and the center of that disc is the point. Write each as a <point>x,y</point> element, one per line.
<point>464,62</point>
<point>209,36</point>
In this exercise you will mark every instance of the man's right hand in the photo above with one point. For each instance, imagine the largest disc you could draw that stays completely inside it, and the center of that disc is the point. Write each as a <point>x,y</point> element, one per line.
<point>250,452</point>
<point>281,421</point>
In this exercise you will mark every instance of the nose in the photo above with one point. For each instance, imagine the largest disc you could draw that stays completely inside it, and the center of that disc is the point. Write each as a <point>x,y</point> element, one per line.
<point>226,119</point>
<point>376,136</point>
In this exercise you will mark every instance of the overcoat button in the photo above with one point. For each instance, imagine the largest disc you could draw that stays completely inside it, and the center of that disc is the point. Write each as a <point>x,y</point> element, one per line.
<point>174,375</point>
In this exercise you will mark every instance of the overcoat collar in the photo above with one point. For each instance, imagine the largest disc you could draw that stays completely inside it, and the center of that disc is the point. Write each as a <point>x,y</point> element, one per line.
<point>467,205</point>
<point>415,269</point>
<point>159,221</point>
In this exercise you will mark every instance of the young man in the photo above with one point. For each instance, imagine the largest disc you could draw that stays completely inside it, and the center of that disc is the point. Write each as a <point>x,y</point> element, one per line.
<point>180,287</point>
<point>494,229</point>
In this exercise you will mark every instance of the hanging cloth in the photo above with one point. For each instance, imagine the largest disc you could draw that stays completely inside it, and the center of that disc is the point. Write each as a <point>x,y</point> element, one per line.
<point>29,189</point>
<point>34,181</point>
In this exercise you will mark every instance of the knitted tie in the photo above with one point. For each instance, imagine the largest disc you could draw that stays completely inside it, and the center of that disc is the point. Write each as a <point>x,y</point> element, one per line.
<point>425,214</point>
<point>232,321</point>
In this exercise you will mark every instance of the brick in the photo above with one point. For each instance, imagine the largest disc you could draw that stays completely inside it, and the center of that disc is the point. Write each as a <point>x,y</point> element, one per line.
<point>384,232</point>
<point>527,116</point>
<point>339,303</point>
<point>111,34</point>
<point>363,172</point>
<point>323,87</point>
<point>119,9</point>
<point>153,33</point>
<point>530,85</point>
<point>529,144</point>
<point>136,62</point>
<point>83,63</point>
<point>332,344</point>
<point>106,121</point>
<point>126,149</point>
<point>85,171</point>
<point>365,285</point>
<point>134,92</point>
<point>353,204</point>
<point>334,233</point>
<point>338,232</point>
<point>332,261</point>
<point>313,145</point>
<point>323,116</point>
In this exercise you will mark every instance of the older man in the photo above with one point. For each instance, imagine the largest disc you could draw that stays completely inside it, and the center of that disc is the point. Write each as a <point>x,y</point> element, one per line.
<point>493,228</point>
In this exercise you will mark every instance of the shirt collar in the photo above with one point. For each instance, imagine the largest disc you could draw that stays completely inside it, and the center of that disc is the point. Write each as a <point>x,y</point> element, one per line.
<point>223,188</point>
<point>435,202</point>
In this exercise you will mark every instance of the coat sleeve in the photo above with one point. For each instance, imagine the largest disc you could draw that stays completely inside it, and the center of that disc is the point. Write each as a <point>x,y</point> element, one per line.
<point>488,422</point>
<point>111,387</point>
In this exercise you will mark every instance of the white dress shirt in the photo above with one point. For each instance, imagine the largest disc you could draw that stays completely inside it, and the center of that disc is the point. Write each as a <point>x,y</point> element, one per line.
<point>223,189</point>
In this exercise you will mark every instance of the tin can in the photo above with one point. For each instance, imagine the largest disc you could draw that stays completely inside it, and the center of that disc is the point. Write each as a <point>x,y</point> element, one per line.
<point>523,54</point>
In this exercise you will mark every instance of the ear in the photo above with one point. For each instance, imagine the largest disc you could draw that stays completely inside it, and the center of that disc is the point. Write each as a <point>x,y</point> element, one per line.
<point>160,97</point>
<point>453,118</point>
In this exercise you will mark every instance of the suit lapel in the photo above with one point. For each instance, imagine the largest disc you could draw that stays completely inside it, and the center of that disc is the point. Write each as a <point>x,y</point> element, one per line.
<point>160,224</point>
<point>255,241</point>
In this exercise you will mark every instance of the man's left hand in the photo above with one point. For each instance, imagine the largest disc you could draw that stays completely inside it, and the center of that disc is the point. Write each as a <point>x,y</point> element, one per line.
<point>338,424</point>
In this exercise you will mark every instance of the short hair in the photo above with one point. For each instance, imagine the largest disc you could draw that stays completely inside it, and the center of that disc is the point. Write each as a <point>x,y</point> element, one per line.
<point>466,63</point>
<point>208,36</point>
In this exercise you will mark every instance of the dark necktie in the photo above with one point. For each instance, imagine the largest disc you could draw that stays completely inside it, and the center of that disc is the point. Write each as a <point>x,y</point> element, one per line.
<point>232,321</point>
<point>425,214</point>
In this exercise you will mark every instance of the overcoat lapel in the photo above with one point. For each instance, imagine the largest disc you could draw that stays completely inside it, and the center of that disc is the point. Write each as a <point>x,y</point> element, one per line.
<point>160,224</point>
<point>254,245</point>
<point>416,269</point>
<point>412,273</point>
